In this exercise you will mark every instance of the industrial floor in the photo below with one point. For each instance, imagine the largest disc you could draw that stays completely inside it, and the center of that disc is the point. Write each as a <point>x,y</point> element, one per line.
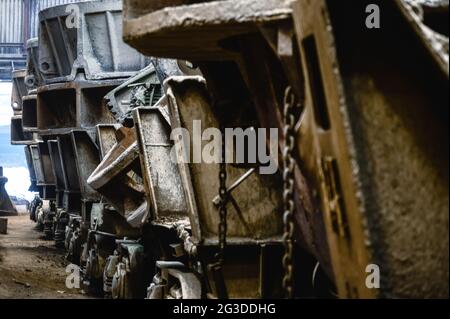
<point>30,266</point>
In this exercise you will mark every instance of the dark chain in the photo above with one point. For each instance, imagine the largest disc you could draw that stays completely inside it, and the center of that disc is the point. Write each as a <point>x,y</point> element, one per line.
<point>288,191</point>
<point>223,193</point>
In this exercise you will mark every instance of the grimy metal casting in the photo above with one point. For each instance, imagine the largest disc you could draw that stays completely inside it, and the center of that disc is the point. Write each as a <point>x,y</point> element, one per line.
<point>93,44</point>
<point>362,134</point>
<point>6,206</point>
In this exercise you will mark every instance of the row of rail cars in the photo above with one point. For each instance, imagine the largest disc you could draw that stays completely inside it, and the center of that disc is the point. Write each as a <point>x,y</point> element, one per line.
<point>362,119</point>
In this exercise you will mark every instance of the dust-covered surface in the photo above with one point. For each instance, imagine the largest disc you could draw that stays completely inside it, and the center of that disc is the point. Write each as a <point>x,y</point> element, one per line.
<point>31,267</point>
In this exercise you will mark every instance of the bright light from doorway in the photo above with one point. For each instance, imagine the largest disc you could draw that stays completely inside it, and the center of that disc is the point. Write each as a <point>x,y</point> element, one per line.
<point>12,158</point>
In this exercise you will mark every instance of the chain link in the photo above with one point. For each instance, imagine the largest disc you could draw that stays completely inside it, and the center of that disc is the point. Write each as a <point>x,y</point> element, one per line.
<point>223,194</point>
<point>288,191</point>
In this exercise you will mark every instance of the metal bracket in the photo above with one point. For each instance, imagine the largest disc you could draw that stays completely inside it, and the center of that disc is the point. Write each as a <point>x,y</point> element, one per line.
<point>235,185</point>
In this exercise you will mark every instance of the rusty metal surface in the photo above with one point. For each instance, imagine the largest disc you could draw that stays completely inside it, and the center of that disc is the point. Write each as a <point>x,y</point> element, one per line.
<point>143,89</point>
<point>72,196</point>
<point>121,156</point>
<point>33,78</point>
<point>55,157</point>
<point>118,177</point>
<point>105,221</point>
<point>19,97</point>
<point>82,105</point>
<point>189,285</point>
<point>32,13</point>
<point>44,157</point>
<point>48,177</point>
<point>180,30</point>
<point>79,156</point>
<point>18,136</point>
<point>37,164</point>
<point>370,180</point>
<point>96,46</point>
<point>345,197</point>
<point>106,138</point>
<point>166,68</point>
<point>375,151</point>
<point>251,218</point>
<point>29,113</point>
<point>30,166</point>
<point>19,90</point>
<point>162,179</point>
<point>86,158</point>
<point>127,281</point>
